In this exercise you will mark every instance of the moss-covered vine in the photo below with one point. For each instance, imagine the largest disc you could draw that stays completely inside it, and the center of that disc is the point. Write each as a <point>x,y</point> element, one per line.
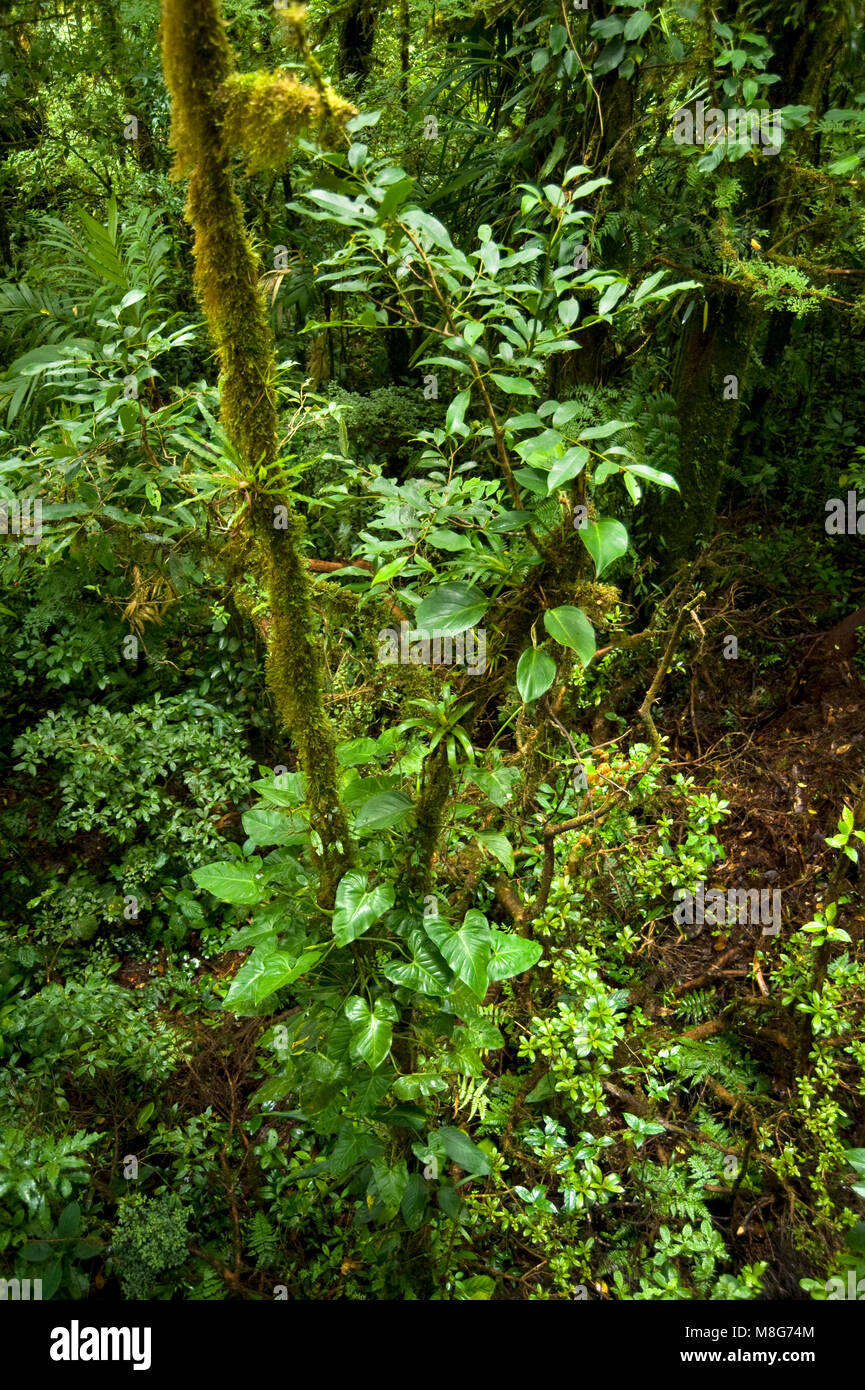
<point>198,64</point>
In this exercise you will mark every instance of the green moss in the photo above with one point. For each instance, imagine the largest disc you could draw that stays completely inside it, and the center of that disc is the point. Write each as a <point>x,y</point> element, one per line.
<point>265,113</point>
<point>429,813</point>
<point>198,65</point>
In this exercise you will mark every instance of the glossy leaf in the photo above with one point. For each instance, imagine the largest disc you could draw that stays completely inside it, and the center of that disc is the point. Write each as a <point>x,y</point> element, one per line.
<point>536,672</point>
<point>511,955</point>
<point>465,948</point>
<point>606,540</point>
<point>265,972</point>
<point>371,1029</point>
<point>232,881</point>
<point>357,907</point>
<point>451,609</point>
<point>571,628</point>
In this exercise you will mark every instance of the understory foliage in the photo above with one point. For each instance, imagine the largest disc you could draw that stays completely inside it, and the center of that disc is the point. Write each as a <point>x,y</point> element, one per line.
<point>330,969</point>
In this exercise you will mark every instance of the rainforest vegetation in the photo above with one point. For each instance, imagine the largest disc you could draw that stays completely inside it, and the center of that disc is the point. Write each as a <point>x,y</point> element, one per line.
<point>432,615</point>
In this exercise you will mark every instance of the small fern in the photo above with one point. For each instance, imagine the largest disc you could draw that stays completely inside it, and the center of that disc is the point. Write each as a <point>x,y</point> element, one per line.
<point>262,1241</point>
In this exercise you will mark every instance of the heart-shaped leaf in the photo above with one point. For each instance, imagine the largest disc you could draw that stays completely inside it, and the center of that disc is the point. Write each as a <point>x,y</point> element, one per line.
<point>371,1029</point>
<point>266,827</point>
<point>356,752</point>
<point>466,948</point>
<point>536,672</point>
<point>571,627</point>
<point>511,955</point>
<point>606,540</point>
<point>265,972</point>
<point>426,971</point>
<point>358,907</point>
<point>414,1201</point>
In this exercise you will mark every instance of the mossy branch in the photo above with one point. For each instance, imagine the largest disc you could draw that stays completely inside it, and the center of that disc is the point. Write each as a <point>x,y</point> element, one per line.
<point>198,64</point>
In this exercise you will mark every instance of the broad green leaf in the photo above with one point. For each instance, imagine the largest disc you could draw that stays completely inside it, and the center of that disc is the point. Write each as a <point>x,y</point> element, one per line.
<point>653,475</point>
<point>358,907</point>
<point>538,450</point>
<point>390,570</point>
<point>384,811</point>
<point>264,827</point>
<point>607,28</point>
<point>604,431</point>
<point>500,846</point>
<point>371,1030</point>
<point>286,789</point>
<point>460,1150</point>
<point>69,1220</point>
<point>356,752</point>
<point>569,466</point>
<point>451,609</point>
<point>253,935</point>
<point>445,539</point>
<point>637,25</point>
<point>414,1201</point>
<point>536,672</point>
<point>466,948</point>
<point>391,1181</point>
<point>133,297</point>
<point>610,57</point>
<point>85,1250</point>
<point>571,627</point>
<point>37,1251</point>
<point>533,480</point>
<point>565,412</point>
<point>512,955</point>
<point>449,1200</point>
<point>426,971</point>
<point>606,540</point>
<point>395,196</point>
<point>513,385</point>
<point>425,222</point>
<point>611,296</point>
<point>232,881</point>
<point>366,118</point>
<point>479,1288</point>
<point>418,1085</point>
<point>351,1146</point>
<point>456,410</point>
<point>265,972</point>
<point>591,186</point>
<point>496,783</point>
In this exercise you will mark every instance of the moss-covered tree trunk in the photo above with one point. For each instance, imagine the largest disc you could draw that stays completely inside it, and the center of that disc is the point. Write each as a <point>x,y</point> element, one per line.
<point>711,368</point>
<point>197,60</point>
